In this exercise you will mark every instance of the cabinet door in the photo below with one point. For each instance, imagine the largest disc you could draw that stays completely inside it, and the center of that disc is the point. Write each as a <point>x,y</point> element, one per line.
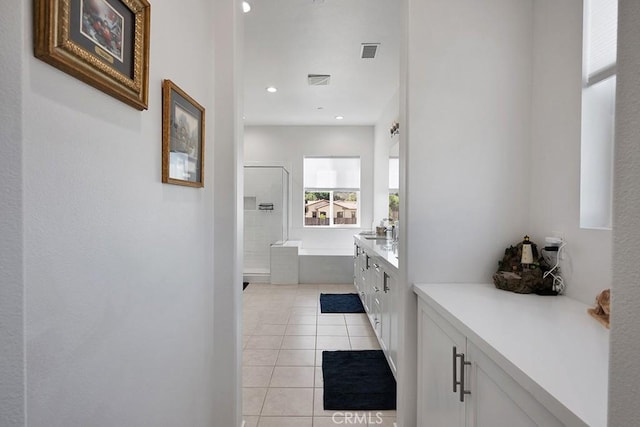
<point>438,404</point>
<point>376,318</point>
<point>363,273</point>
<point>359,270</point>
<point>497,400</point>
<point>370,280</point>
<point>390,318</point>
<point>356,265</point>
<point>375,300</point>
<point>366,279</point>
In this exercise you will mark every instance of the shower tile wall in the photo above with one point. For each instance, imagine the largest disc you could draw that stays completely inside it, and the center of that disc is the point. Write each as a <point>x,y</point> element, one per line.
<point>263,227</point>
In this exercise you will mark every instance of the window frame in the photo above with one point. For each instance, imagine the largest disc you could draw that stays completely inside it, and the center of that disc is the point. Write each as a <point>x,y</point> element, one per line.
<point>393,190</point>
<point>337,188</point>
<point>599,217</point>
<point>331,211</point>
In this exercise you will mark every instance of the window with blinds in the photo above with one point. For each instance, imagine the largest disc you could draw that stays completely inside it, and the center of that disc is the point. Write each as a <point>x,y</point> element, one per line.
<point>331,191</point>
<point>598,112</point>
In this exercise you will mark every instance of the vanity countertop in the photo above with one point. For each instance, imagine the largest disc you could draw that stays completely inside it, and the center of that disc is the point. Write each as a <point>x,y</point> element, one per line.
<point>386,249</point>
<point>548,343</point>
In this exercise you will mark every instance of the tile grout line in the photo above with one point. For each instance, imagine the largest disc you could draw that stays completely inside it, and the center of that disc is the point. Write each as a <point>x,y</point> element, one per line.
<point>316,350</point>
<point>315,361</point>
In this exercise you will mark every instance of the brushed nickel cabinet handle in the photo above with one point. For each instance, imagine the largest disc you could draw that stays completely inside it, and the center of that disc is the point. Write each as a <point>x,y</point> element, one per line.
<point>455,369</point>
<point>463,364</point>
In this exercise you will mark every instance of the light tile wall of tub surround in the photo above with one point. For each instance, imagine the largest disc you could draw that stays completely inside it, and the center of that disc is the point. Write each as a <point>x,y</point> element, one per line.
<point>262,227</point>
<point>284,264</point>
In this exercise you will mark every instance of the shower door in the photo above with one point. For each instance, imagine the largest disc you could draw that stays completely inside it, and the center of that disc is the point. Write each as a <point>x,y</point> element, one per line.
<point>266,216</point>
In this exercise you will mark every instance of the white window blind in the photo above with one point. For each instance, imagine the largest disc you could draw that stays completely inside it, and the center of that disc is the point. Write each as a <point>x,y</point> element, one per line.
<point>598,113</point>
<point>394,173</point>
<point>601,35</point>
<point>325,173</point>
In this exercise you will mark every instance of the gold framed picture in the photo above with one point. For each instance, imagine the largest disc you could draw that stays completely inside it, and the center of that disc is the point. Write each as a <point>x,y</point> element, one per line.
<point>104,43</point>
<point>182,137</point>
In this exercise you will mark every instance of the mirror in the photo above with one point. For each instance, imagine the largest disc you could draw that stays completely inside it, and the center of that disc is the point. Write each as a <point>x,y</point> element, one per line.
<point>394,181</point>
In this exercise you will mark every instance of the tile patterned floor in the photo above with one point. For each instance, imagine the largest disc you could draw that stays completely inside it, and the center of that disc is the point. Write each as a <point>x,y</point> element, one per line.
<point>283,339</point>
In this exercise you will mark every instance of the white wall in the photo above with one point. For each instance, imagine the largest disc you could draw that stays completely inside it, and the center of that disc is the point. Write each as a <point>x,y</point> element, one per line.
<point>555,149</point>
<point>382,146</point>
<point>289,144</point>
<point>468,142</point>
<point>465,144</point>
<point>625,316</point>
<point>226,405</point>
<point>118,275</point>
<point>12,393</point>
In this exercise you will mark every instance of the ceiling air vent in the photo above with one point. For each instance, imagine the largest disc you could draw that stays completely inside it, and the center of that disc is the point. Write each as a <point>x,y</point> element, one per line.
<point>369,50</point>
<point>318,79</point>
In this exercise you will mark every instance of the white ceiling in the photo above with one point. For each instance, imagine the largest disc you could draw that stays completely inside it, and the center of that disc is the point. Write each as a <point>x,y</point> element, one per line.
<point>285,40</point>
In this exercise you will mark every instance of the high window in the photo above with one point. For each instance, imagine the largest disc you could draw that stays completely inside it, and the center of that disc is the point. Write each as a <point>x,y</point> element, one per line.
<point>331,191</point>
<point>598,112</point>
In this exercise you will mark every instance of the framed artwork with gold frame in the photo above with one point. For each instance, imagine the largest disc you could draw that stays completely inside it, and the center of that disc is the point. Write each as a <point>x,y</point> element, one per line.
<point>104,43</point>
<point>182,137</point>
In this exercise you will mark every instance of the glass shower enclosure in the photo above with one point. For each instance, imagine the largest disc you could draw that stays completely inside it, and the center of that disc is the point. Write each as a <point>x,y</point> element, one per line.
<point>266,218</point>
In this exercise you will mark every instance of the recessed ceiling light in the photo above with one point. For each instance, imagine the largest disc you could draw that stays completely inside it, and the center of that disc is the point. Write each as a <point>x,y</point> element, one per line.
<point>339,117</point>
<point>246,7</point>
<point>272,89</point>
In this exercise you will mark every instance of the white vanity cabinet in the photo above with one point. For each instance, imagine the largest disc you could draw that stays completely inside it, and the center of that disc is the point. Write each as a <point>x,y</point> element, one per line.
<point>360,268</point>
<point>497,400</point>
<point>438,399</point>
<point>375,300</point>
<point>490,358</point>
<point>460,386</point>
<point>376,281</point>
<point>389,317</point>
